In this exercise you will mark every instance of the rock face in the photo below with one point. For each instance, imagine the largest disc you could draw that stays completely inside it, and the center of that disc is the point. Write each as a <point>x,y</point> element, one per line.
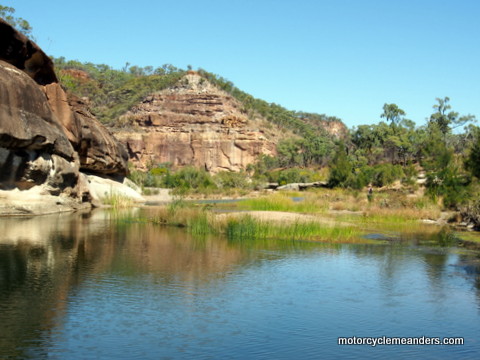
<point>25,55</point>
<point>99,151</point>
<point>34,149</point>
<point>46,137</point>
<point>194,124</point>
<point>336,129</point>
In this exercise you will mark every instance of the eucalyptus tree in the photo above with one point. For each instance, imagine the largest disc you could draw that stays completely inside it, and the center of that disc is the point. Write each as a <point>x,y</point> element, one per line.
<point>19,23</point>
<point>392,113</point>
<point>445,119</point>
<point>472,161</point>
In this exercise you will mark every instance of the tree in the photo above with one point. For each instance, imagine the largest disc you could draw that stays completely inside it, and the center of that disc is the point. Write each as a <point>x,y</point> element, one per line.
<point>392,113</point>
<point>341,168</point>
<point>472,162</point>
<point>445,119</point>
<point>445,178</point>
<point>18,23</point>
<point>289,153</point>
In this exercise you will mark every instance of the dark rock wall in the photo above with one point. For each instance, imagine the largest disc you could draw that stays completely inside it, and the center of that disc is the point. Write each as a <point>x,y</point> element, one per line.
<point>46,136</point>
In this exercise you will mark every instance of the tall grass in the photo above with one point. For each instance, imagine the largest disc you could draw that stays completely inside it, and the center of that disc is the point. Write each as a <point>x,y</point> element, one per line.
<point>201,222</point>
<point>386,211</point>
<point>117,200</point>
<point>282,202</point>
<point>248,228</point>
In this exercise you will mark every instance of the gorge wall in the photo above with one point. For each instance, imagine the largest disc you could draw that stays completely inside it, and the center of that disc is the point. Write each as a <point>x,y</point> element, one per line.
<point>48,139</point>
<point>193,123</point>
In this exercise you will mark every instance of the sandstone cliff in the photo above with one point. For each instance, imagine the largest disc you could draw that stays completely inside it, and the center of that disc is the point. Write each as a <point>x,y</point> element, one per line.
<point>46,137</point>
<point>194,123</point>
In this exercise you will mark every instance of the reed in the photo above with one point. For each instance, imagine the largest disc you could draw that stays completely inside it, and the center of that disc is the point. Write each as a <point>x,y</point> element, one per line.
<point>117,200</point>
<point>283,202</point>
<point>248,228</point>
<point>201,222</point>
<point>473,237</point>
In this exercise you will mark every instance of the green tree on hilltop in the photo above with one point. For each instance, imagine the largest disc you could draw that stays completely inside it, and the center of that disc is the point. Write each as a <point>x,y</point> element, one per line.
<point>19,23</point>
<point>392,113</point>
<point>447,120</point>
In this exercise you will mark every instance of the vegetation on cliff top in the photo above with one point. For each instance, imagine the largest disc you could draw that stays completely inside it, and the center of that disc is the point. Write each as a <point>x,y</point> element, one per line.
<point>378,154</point>
<point>113,92</point>
<point>22,25</point>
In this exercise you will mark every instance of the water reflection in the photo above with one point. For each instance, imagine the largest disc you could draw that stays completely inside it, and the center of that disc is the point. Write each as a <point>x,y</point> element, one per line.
<point>54,269</point>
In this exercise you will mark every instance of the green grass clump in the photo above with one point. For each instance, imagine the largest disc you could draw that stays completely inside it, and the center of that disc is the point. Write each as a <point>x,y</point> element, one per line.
<point>117,200</point>
<point>473,237</point>
<point>202,224</point>
<point>248,228</point>
<point>281,202</point>
<point>271,203</point>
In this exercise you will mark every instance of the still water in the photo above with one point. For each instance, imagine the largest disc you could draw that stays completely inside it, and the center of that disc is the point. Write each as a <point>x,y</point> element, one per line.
<point>95,286</point>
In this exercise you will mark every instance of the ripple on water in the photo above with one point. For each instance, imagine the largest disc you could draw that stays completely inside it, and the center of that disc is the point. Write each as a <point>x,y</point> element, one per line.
<point>146,293</point>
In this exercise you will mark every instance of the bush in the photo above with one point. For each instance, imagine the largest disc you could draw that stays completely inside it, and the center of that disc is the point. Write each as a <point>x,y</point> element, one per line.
<point>189,178</point>
<point>410,175</point>
<point>138,177</point>
<point>378,175</point>
<point>341,169</point>
<point>386,174</point>
<point>360,179</point>
<point>231,180</point>
<point>449,185</point>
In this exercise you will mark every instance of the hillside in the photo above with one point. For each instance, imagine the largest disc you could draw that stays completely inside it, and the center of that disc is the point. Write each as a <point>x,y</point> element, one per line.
<point>114,96</point>
<point>194,123</point>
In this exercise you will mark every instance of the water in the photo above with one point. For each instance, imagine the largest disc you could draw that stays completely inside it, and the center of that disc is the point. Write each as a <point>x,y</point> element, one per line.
<point>96,287</point>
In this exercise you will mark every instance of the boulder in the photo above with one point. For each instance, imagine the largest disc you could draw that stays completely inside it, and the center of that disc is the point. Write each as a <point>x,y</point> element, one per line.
<point>46,137</point>
<point>99,152</point>
<point>24,54</point>
<point>26,120</point>
<point>101,188</point>
<point>35,201</point>
<point>289,187</point>
<point>34,149</point>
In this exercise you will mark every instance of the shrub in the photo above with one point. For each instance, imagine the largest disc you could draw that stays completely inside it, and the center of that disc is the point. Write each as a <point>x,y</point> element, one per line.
<point>189,178</point>
<point>231,180</point>
<point>341,169</point>
<point>386,174</point>
<point>138,177</point>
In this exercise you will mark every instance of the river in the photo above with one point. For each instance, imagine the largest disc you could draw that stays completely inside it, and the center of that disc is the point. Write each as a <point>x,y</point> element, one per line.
<point>101,286</point>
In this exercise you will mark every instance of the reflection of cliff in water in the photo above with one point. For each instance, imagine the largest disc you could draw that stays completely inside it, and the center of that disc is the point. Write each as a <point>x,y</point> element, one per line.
<point>43,259</point>
<point>40,261</point>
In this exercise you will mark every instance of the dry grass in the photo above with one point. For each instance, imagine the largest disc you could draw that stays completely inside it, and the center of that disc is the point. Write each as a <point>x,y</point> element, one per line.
<point>278,216</point>
<point>117,200</point>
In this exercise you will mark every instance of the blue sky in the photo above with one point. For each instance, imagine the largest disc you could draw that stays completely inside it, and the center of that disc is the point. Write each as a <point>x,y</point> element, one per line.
<point>343,58</point>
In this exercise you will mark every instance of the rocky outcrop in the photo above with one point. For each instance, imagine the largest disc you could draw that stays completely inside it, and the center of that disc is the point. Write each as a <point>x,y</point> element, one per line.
<point>33,146</point>
<point>46,138</point>
<point>99,152</point>
<point>24,54</point>
<point>336,129</point>
<point>195,124</point>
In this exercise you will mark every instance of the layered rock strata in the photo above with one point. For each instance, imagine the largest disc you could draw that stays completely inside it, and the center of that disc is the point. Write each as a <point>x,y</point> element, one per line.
<point>195,124</point>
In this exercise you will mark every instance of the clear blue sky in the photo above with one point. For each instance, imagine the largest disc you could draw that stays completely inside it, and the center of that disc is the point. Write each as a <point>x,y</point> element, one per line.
<point>344,58</point>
